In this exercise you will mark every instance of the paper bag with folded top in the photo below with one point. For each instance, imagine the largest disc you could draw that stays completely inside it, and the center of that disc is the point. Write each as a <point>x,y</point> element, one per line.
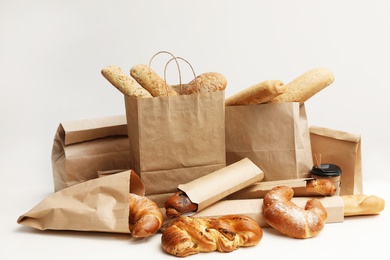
<point>274,136</point>
<point>342,149</point>
<point>82,148</point>
<point>100,204</point>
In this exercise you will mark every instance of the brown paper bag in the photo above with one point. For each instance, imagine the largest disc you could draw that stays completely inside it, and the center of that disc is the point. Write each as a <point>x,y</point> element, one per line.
<point>274,136</point>
<point>81,148</point>
<point>344,150</point>
<point>100,204</point>
<point>175,139</point>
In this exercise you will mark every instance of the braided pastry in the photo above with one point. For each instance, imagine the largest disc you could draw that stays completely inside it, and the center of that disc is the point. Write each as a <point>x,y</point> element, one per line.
<point>286,217</point>
<point>179,204</point>
<point>191,235</point>
<point>145,217</point>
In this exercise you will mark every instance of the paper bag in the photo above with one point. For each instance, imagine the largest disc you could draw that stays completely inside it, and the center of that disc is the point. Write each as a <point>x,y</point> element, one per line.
<point>100,204</point>
<point>344,150</point>
<point>175,139</point>
<point>81,148</point>
<point>274,136</point>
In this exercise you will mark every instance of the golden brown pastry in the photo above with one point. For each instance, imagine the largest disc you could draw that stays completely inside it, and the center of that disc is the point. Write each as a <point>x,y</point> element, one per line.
<point>257,94</point>
<point>151,81</point>
<point>191,235</point>
<point>145,217</point>
<point>286,217</point>
<point>361,204</point>
<point>305,86</point>
<point>179,204</point>
<point>124,83</point>
<point>205,82</point>
<point>321,186</point>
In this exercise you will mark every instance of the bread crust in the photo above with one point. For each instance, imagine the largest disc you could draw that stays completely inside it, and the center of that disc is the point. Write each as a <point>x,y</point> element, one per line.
<point>124,83</point>
<point>289,219</point>
<point>305,86</point>
<point>257,94</point>
<point>361,204</point>
<point>145,218</point>
<point>151,81</point>
<point>321,186</point>
<point>204,83</point>
<point>191,235</point>
<point>178,204</point>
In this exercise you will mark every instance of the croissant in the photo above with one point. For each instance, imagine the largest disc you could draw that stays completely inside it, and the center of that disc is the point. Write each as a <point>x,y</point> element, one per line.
<point>179,204</point>
<point>145,218</point>
<point>190,235</point>
<point>286,217</point>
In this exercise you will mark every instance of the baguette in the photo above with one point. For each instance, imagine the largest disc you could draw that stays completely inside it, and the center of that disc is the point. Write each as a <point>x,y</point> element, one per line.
<point>360,204</point>
<point>151,81</point>
<point>257,94</point>
<point>124,83</point>
<point>305,86</point>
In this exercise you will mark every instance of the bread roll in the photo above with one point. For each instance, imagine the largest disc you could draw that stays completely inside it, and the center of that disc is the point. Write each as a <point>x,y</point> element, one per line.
<point>305,86</point>
<point>191,235</point>
<point>151,81</point>
<point>124,83</point>
<point>179,204</point>
<point>205,82</point>
<point>145,218</point>
<point>361,204</point>
<point>289,219</point>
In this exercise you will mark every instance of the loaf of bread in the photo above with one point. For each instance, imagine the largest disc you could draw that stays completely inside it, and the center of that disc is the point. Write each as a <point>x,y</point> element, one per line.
<point>151,81</point>
<point>145,217</point>
<point>321,186</point>
<point>305,86</point>
<point>124,83</point>
<point>361,204</point>
<point>286,217</point>
<point>205,82</point>
<point>257,94</point>
<point>190,235</point>
<point>178,204</point>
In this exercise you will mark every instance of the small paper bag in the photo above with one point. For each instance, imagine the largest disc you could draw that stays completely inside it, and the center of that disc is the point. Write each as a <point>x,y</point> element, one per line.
<point>175,139</point>
<point>100,204</point>
<point>81,148</point>
<point>344,150</point>
<point>274,136</point>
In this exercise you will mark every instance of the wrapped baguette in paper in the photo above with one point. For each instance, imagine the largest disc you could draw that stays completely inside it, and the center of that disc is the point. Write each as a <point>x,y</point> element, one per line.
<point>204,191</point>
<point>101,204</point>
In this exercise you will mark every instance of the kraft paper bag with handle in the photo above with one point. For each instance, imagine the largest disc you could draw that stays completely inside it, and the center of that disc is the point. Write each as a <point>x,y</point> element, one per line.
<point>100,204</point>
<point>81,148</point>
<point>175,139</point>
<point>274,136</point>
<point>344,150</point>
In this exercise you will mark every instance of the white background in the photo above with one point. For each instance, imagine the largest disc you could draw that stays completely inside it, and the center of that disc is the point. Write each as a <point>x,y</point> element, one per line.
<point>52,52</point>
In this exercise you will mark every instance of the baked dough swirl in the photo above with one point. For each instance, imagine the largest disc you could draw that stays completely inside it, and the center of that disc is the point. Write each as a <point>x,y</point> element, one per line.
<point>286,217</point>
<point>191,235</point>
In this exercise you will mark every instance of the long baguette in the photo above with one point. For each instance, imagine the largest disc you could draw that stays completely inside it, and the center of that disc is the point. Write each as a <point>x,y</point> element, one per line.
<point>257,94</point>
<point>151,81</point>
<point>124,83</point>
<point>205,82</point>
<point>305,86</point>
<point>360,204</point>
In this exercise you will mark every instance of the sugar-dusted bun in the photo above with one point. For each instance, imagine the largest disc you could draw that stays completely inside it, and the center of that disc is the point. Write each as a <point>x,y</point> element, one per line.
<point>283,215</point>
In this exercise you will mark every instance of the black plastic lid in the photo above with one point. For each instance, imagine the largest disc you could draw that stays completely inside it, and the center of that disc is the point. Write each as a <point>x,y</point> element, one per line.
<point>328,170</point>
